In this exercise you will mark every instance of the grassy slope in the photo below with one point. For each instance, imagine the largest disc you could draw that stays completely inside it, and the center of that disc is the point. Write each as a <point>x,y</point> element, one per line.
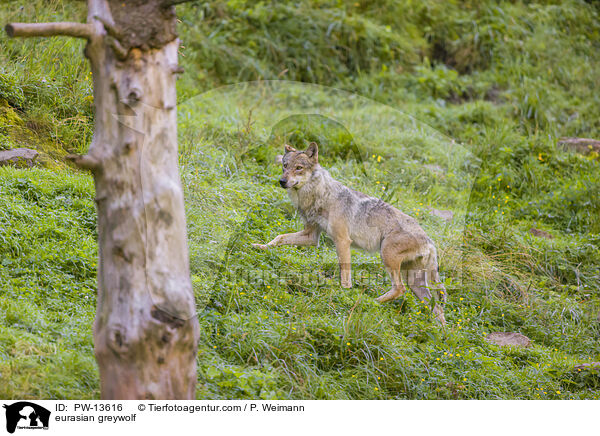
<point>503,80</point>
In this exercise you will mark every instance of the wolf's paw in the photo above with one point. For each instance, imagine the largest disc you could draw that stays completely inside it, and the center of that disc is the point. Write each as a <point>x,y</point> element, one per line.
<point>389,295</point>
<point>259,246</point>
<point>439,315</point>
<point>442,296</point>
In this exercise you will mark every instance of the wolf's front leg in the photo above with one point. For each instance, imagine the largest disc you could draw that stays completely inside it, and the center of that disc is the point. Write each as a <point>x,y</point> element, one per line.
<point>342,246</point>
<point>308,236</point>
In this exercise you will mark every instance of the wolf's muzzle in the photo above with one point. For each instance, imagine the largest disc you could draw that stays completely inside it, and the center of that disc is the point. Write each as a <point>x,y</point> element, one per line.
<point>283,182</point>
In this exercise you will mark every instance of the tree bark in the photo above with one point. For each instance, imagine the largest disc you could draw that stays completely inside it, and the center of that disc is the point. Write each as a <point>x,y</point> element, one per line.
<point>146,330</point>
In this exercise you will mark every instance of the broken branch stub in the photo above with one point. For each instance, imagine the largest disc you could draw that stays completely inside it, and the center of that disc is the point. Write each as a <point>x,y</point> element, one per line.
<point>25,30</point>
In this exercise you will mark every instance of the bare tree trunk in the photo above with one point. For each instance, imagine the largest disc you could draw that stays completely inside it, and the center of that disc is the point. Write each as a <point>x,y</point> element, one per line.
<point>145,332</point>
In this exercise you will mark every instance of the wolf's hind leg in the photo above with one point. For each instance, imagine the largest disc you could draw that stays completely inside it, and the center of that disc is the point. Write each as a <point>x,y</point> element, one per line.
<point>418,284</point>
<point>392,259</point>
<point>308,236</point>
<point>430,264</point>
<point>438,285</point>
<point>398,288</point>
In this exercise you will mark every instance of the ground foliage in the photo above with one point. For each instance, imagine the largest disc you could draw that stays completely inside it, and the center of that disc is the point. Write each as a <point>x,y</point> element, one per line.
<point>505,79</point>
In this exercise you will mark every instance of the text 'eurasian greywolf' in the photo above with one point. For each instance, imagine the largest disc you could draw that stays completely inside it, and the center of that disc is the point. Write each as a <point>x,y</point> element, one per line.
<point>350,218</point>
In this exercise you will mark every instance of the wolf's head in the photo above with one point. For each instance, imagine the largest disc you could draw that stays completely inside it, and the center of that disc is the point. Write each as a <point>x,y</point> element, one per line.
<point>298,166</point>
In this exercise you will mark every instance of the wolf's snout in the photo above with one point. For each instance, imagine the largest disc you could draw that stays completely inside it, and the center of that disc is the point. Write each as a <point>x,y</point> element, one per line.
<point>282,182</point>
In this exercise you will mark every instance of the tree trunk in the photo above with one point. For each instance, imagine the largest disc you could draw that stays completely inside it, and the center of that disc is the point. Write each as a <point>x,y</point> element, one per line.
<point>145,332</point>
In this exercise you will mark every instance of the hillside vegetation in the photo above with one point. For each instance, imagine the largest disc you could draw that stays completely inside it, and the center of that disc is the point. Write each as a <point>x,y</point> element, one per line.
<point>461,106</point>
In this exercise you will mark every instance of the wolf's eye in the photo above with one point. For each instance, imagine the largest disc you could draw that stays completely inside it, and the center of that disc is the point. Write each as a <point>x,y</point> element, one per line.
<point>298,168</point>
<point>285,165</point>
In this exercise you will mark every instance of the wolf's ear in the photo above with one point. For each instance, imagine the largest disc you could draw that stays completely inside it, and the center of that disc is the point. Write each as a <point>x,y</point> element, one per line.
<point>312,151</point>
<point>288,148</point>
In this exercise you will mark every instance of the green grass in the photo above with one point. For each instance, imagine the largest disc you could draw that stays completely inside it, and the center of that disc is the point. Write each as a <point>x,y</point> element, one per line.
<point>47,283</point>
<point>505,80</point>
<point>311,339</point>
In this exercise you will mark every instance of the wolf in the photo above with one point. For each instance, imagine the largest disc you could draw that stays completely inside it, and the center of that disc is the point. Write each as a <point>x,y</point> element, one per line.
<point>351,218</point>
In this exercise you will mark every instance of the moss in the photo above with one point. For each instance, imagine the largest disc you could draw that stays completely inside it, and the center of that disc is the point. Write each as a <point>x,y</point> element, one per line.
<point>9,119</point>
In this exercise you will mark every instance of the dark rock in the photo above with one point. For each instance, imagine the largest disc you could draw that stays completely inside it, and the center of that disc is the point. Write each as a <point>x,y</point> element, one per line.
<point>446,215</point>
<point>580,145</point>
<point>508,339</point>
<point>540,233</point>
<point>19,157</point>
<point>494,94</point>
<point>588,366</point>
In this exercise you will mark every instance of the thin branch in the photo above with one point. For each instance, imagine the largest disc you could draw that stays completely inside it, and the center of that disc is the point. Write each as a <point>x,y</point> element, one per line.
<point>110,28</point>
<point>119,51</point>
<point>167,3</point>
<point>177,69</point>
<point>85,162</point>
<point>77,30</point>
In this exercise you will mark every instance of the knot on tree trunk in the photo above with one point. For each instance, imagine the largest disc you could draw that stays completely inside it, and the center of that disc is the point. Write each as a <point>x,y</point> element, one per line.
<point>117,339</point>
<point>167,319</point>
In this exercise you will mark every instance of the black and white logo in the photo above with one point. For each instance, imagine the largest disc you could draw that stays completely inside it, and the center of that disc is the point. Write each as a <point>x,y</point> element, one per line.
<point>26,415</point>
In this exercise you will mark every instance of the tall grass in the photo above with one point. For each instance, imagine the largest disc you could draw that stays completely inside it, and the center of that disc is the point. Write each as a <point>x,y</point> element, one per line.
<point>503,79</point>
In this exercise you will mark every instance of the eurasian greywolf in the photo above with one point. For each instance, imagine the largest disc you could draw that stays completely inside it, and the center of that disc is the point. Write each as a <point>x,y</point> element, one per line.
<point>350,218</point>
